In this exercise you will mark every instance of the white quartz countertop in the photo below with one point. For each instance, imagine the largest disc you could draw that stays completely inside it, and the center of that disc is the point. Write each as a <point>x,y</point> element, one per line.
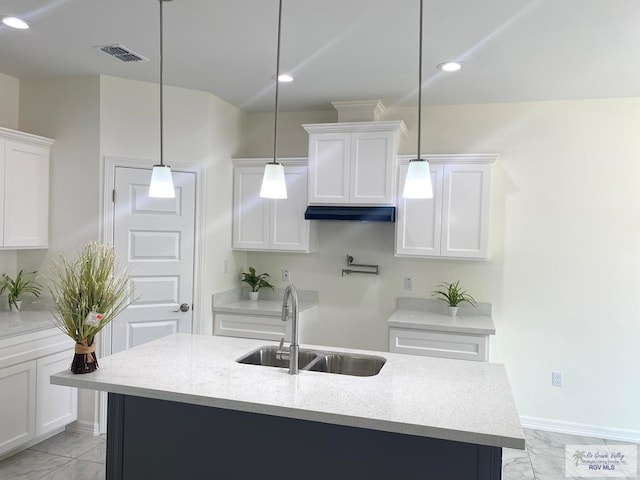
<point>473,324</point>
<point>431,397</point>
<point>259,307</point>
<point>25,321</point>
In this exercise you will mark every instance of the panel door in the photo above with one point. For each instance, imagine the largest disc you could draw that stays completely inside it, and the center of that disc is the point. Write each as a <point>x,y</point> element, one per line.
<point>372,168</point>
<point>289,229</point>
<point>17,405</point>
<point>418,226</point>
<point>250,212</point>
<point>329,165</point>
<point>155,240</point>
<point>26,195</point>
<point>57,406</point>
<point>465,217</point>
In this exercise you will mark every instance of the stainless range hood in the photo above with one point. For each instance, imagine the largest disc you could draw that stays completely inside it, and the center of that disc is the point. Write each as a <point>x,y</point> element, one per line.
<point>351,213</point>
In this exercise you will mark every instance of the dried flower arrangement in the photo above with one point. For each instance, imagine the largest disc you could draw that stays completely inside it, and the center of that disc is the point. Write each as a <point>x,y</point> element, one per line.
<point>89,292</point>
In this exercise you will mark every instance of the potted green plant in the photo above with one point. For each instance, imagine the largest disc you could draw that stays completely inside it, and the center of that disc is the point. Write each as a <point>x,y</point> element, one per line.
<point>19,286</point>
<point>88,292</point>
<point>256,282</point>
<point>453,295</point>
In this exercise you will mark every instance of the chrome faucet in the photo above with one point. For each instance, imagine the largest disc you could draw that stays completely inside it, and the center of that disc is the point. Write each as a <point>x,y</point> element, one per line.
<point>290,352</point>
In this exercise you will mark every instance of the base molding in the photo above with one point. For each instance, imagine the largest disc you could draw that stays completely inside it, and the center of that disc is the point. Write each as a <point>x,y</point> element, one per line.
<point>582,429</point>
<point>81,426</point>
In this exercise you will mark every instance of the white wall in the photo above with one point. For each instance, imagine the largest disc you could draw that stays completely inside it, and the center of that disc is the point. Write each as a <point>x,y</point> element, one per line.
<point>9,97</point>
<point>563,276</point>
<point>199,129</point>
<point>93,117</point>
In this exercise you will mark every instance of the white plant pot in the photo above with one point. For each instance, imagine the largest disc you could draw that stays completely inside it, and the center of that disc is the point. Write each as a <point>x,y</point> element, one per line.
<point>16,307</point>
<point>453,311</point>
<point>254,296</point>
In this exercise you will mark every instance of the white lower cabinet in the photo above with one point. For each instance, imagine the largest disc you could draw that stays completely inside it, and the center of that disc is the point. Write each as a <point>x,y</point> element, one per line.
<point>460,346</point>
<point>263,327</point>
<point>56,406</point>
<point>31,409</point>
<point>17,405</point>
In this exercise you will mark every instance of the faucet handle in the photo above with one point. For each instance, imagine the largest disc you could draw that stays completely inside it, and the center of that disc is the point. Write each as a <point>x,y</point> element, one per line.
<point>281,353</point>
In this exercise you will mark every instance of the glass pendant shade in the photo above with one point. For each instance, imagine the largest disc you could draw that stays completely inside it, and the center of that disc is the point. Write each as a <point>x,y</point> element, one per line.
<point>273,183</point>
<point>161,182</point>
<point>418,181</point>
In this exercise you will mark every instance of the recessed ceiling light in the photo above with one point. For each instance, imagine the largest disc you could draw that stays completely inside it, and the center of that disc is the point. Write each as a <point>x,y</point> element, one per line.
<point>285,78</point>
<point>450,66</point>
<point>15,22</point>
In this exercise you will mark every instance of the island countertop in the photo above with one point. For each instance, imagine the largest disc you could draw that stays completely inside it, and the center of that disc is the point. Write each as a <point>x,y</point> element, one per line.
<point>432,397</point>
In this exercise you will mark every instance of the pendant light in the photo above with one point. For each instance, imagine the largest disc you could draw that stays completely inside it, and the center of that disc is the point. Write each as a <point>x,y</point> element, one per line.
<point>161,181</point>
<point>418,181</point>
<point>273,182</point>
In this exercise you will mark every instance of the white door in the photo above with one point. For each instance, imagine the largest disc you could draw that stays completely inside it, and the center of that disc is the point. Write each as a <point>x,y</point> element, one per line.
<point>372,168</point>
<point>154,237</point>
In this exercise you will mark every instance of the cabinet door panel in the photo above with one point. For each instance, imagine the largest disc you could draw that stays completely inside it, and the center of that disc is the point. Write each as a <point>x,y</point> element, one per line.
<point>329,168</point>
<point>465,210</point>
<point>251,326</point>
<point>439,344</point>
<point>372,168</point>
<point>26,195</point>
<point>57,406</point>
<point>250,213</point>
<point>289,229</point>
<point>17,405</point>
<point>419,220</point>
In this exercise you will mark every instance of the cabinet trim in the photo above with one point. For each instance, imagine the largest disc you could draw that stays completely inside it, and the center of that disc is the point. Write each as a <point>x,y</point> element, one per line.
<point>444,158</point>
<point>349,127</point>
<point>25,137</point>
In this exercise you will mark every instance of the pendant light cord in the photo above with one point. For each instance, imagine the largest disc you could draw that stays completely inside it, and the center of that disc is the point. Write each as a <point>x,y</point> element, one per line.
<point>275,118</point>
<point>161,90</point>
<point>420,81</point>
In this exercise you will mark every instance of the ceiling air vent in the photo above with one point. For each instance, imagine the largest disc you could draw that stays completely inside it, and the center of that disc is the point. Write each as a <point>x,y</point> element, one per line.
<point>121,53</point>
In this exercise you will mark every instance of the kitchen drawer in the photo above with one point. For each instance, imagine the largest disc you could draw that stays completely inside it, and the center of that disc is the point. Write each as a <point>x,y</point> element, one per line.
<point>251,326</point>
<point>439,344</point>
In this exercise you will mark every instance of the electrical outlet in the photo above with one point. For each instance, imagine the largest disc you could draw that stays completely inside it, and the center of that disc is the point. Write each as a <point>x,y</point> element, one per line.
<point>556,379</point>
<point>225,266</point>
<point>408,283</point>
<point>285,275</point>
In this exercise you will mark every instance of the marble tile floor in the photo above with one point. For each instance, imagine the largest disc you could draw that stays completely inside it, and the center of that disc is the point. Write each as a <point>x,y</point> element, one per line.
<point>76,456</point>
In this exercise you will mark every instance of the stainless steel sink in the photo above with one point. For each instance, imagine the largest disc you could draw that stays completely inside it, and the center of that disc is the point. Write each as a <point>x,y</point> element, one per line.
<point>347,364</point>
<point>266,356</point>
<point>318,361</point>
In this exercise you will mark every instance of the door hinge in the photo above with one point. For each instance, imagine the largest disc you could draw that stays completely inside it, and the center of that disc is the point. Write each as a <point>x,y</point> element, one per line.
<point>113,195</point>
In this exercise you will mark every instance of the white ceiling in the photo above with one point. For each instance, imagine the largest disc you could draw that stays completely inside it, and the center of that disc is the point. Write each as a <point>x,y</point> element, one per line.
<point>514,50</point>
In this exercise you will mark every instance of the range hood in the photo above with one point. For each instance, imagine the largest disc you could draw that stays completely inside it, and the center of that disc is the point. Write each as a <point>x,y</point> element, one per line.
<point>351,213</point>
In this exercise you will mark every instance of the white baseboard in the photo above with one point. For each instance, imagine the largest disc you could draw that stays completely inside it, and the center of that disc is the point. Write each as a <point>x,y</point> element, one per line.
<point>81,426</point>
<point>580,429</point>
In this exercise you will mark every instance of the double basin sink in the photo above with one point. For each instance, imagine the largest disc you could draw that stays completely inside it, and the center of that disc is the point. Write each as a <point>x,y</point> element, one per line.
<point>318,361</point>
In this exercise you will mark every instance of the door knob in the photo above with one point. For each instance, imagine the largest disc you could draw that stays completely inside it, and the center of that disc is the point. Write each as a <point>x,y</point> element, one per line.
<point>183,308</point>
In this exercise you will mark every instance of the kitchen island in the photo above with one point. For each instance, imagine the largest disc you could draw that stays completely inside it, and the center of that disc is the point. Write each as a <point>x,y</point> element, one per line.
<point>182,407</point>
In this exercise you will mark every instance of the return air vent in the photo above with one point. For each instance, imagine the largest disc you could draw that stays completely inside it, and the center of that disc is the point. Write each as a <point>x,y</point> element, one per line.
<point>121,53</point>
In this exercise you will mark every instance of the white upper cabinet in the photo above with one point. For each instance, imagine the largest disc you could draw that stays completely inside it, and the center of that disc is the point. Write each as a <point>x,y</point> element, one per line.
<point>24,202</point>
<point>353,163</point>
<point>271,225</point>
<point>455,222</point>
